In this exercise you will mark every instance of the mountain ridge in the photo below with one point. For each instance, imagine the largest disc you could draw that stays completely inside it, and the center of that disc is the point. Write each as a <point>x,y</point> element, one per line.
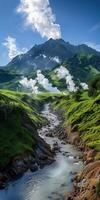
<point>48,55</point>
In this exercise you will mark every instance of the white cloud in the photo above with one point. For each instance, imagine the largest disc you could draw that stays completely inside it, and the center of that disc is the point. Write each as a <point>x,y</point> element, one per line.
<point>93,45</point>
<point>62,72</point>
<point>39,16</point>
<point>95,27</point>
<point>13,50</point>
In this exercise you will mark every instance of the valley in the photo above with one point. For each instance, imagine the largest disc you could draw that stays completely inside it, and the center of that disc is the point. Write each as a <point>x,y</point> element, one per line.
<point>49,100</point>
<point>50,124</point>
<point>53,181</point>
<point>52,147</point>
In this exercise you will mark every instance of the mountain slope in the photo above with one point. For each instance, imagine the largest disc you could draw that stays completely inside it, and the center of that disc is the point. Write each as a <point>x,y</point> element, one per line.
<point>47,56</point>
<point>6,76</point>
<point>81,61</point>
<point>81,67</point>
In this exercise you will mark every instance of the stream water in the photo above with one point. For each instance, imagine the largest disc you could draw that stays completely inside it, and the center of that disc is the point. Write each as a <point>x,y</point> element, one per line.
<point>53,181</point>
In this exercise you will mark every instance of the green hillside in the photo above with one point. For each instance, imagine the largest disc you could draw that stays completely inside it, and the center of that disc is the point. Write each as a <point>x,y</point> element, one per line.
<point>17,110</point>
<point>81,67</point>
<point>9,80</point>
<point>82,112</point>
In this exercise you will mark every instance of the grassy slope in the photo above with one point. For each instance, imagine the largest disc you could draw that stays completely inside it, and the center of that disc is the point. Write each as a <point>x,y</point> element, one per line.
<point>56,82</point>
<point>17,109</point>
<point>9,80</point>
<point>84,116</point>
<point>15,139</point>
<point>82,112</point>
<point>83,66</point>
<point>6,76</point>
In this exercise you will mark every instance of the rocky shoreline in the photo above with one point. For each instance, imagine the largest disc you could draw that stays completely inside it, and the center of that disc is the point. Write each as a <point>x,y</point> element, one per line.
<point>42,155</point>
<point>84,183</point>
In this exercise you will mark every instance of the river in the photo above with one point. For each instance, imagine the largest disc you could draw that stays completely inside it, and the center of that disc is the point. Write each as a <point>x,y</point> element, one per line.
<point>53,181</point>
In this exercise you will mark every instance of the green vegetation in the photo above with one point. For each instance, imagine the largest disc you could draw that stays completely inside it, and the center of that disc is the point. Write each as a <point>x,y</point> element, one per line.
<point>81,110</point>
<point>98,188</point>
<point>97,157</point>
<point>56,82</point>
<point>16,111</point>
<point>83,67</point>
<point>94,86</point>
<point>9,80</point>
<point>6,76</point>
<point>83,114</point>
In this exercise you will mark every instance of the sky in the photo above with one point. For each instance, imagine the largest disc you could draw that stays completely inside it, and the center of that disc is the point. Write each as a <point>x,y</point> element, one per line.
<point>24,23</point>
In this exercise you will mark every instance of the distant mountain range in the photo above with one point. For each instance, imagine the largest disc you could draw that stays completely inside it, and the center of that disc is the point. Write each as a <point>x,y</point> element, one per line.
<point>81,61</point>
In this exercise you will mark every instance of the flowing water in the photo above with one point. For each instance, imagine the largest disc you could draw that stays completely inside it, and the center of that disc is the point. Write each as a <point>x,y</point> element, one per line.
<point>52,181</point>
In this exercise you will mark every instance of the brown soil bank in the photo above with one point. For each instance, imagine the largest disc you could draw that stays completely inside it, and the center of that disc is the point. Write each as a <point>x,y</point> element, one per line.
<point>86,184</point>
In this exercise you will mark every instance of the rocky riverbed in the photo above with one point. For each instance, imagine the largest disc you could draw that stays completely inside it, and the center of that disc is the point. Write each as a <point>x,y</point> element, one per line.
<point>50,170</point>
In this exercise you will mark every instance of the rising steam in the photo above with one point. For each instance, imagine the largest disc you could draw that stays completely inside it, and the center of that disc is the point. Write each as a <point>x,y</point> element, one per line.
<point>40,79</point>
<point>62,72</point>
<point>84,86</point>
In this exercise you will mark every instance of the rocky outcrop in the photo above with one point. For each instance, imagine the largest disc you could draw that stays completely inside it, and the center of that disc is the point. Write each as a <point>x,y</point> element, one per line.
<point>40,156</point>
<point>85,183</point>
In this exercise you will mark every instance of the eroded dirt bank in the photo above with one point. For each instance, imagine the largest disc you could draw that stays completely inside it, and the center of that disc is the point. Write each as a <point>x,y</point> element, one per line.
<point>86,184</point>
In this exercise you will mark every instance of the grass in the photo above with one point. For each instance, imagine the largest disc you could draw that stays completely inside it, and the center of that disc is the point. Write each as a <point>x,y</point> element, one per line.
<point>17,109</point>
<point>56,82</point>
<point>28,102</point>
<point>14,138</point>
<point>82,113</point>
<point>84,116</point>
<point>98,188</point>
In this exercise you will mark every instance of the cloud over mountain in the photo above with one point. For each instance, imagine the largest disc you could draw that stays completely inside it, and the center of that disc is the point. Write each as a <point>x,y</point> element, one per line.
<point>39,16</point>
<point>13,50</point>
